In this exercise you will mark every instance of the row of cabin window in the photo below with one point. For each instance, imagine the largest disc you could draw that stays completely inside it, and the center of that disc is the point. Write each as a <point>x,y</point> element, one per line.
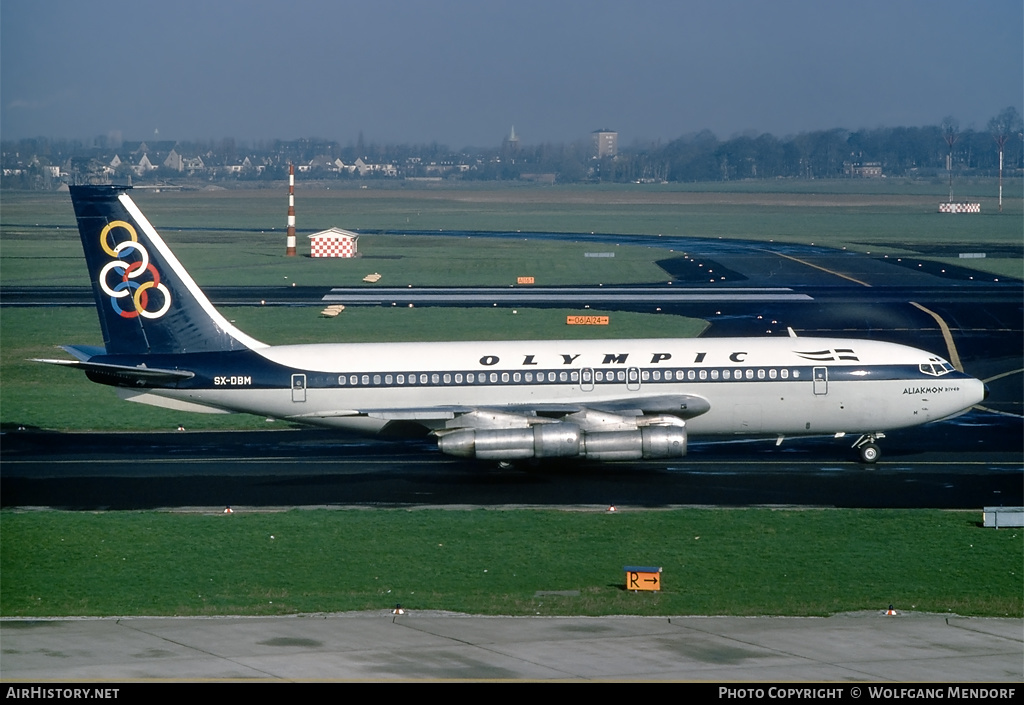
<point>714,374</point>
<point>458,378</point>
<point>597,376</point>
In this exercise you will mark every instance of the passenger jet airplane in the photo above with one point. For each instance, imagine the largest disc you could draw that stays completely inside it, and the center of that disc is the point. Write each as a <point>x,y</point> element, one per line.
<point>165,344</point>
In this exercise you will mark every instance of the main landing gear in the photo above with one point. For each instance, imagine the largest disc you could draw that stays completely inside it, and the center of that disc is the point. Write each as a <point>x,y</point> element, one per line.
<point>867,447</point>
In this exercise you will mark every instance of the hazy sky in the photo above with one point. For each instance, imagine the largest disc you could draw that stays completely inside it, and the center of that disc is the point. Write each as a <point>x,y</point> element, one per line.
<point>462,72</point>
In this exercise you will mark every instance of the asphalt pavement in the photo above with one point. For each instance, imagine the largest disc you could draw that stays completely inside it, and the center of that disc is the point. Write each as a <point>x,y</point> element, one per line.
<point>379,646</point>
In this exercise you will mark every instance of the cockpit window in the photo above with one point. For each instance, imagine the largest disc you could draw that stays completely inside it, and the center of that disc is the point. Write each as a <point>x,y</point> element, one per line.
<point>936,368</point>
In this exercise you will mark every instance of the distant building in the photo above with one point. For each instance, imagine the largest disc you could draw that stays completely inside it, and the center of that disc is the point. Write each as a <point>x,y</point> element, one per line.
<point>173,161</point>
<point>334,242</point>
<point>143,166</point>
<point>323,161</point>
<point>606,143</point>
<point>238,167</point>
<point>364,168</point>
<point>510,145</point>
<point>192,164</point>
<point>865,170</point>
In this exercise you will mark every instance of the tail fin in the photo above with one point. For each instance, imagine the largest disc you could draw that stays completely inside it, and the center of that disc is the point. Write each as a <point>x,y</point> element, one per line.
<point>146,301</point>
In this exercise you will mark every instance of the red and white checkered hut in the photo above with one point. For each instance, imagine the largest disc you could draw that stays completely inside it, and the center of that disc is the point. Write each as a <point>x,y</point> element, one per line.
<point>334,242</point>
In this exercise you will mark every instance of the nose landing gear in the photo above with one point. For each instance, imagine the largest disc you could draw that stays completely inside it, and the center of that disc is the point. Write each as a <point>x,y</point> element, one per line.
<point>868,448</point>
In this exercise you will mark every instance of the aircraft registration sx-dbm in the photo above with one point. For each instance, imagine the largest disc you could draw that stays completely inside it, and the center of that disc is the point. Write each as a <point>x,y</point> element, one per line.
<point>165,344</point>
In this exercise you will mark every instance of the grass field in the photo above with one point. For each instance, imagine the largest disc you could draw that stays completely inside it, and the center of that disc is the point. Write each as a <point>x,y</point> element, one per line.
<point>246,228</point>
<point>745,562</point>
<point>235,258</point>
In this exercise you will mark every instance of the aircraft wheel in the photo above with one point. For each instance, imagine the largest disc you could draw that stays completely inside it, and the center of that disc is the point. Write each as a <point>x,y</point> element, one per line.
<point>869,453</point>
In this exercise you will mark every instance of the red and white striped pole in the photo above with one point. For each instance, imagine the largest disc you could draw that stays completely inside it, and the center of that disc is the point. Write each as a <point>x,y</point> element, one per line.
<point>291,211</point>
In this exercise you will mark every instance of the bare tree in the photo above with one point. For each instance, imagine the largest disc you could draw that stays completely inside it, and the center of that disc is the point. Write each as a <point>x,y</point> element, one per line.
<point>1003,126</point>
<point>950,133</point>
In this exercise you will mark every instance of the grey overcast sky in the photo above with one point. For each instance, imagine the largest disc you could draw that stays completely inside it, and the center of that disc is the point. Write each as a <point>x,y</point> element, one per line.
<point>462,72</point>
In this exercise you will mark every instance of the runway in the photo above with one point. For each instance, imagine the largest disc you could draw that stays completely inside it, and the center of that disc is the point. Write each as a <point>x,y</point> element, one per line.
<point>319,467</point>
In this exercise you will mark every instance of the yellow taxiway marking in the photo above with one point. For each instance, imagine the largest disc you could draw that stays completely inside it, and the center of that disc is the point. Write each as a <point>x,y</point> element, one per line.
<point>824,269</point>
<point>997,411</point>
<point>1005,374</point>
<point>992,379</point>
<point>947,335</point>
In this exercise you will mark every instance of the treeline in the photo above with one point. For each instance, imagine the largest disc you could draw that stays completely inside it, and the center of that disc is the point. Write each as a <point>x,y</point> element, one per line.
<point>826,154</point>
<point>837,153</point>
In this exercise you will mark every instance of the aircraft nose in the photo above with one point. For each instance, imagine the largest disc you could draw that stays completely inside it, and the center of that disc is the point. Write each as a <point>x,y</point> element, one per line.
<point>979,390</point>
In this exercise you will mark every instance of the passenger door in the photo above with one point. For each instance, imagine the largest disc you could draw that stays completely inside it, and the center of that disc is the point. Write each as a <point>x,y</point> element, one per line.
<point>298,388</point>
<point>820,381</point>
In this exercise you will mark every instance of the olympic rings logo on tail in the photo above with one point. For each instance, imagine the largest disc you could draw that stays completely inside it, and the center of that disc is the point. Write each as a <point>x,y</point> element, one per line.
<point>128,286</point>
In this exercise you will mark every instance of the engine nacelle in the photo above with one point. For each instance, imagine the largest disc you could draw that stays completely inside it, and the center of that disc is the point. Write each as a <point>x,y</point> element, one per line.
<point>563,440</point>
<point>644,443</point>
<point>556,440</point>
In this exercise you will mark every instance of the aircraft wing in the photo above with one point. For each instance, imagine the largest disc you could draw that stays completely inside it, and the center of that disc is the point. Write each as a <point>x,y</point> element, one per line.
<point>433,413</point>
<point>683,406</point>
<point>620,413</point>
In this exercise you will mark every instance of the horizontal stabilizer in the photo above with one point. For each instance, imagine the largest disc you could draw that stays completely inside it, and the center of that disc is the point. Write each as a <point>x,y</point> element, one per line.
<point>125,375</point>
<point>84,352</point>
<point>168,403</point>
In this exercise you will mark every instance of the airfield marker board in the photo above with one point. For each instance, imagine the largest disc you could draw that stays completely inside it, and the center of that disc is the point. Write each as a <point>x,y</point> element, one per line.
<point>586,320</point>
<point>646,578</point>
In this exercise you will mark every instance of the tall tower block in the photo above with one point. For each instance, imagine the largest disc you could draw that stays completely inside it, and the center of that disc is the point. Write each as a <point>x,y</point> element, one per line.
<point>290,252</point>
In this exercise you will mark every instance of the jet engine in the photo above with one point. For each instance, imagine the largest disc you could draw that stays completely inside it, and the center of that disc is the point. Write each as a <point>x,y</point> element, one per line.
<point>564,440</point>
